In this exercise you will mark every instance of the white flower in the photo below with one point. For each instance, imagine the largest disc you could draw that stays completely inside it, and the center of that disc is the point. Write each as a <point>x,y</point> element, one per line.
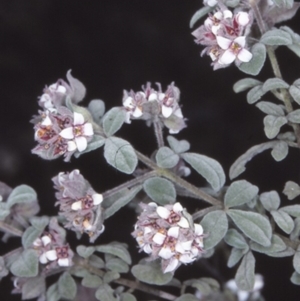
<point>242,18</point>
<point>77,133</point>
<point>233,49</point>
<point>210,3</point>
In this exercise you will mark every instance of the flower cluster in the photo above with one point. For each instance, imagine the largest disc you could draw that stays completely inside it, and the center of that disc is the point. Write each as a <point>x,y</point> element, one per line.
<point>224,35</point>
<point>79,203</point>
<point>168,232</point>
<point>52,247</point>
<point>59,131</point>
<point>155,106</point>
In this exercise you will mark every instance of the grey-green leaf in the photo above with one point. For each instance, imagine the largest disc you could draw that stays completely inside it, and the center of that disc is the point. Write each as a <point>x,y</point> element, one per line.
<point>178,146</point>
<point>84,251</point>
<point>235,256</point>
<point>117,265</point>
<point>273,125</point>
<point>296,261</point>
<point>26,264</point>
<point>110,276</point>
<point>207,167</point>
<point>121,201</point>
<point>291,190</point>
<point>215,225</point>
<point>29,236</point>
<point>160,190</point>
<point>127,297</point>
<point>255,94</point>
<point>199,14</point>
<point>39,222</point>
<point>115,249</point>
<point>283,220</point>
<point>245,276</point>
<point>270,200</point>
<point>295,92</point>
<point>245,84</point>
<point>293,210</point>
<point>284,3</point>
<point>295,279</point>
<point>120,154</point>
<point>280,151</point>
<point>33,288</point>
<point>151,273</point>
<point>276,37</point>
<point>97,109</point>
<point>96,142</point>
<point>91,281</point>
<point>105,293</point>
<point>67,287</point>
<point>294,116</point>
<point>253,225</point>
<point>277,245</point>
<point>273,84</point>
<point>113,120</point>
<point>235,239</point>
<point>166,158</point>
<point>254,66</point>
<point>270,108</point>
<point>239,193</point>
<point>21,194</point>
<point>52,293</point>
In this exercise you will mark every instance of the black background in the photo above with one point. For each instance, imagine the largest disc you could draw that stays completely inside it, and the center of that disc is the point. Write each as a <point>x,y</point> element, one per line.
<point>122,44</point>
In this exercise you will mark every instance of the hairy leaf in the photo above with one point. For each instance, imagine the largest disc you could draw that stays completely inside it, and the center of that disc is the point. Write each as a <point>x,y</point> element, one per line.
<point>280,151</point>
<point>113,120</point>
<point>245,276</point>
<point>283,220</point>
<point>96,142</point>
<point>291,190</point>
<point>97,109</point>
<point>270,200</point>
<point>274,83</point>
<point>255,94</point>
<point>293,210</point>
<point>29,236</point>
<point>294,116</point>
<point>166,158</point>
<point>235,239</point>
<point>276,37</point>
<point>270,108</point>
<point>117,250</point>
<point>91,281</point>
<point>235,256</point>
<point>245,84</point>
<point>105,293</point>
<point>67,287</point>
<point>277,245</point>
<point>273,125</point>
<point>178,146</point>
<point>33,288</point>
<point>84,251</point>
<point>21,194</point>
<point>296,260</point>
<point>199,14</point>
<point>295,279</point>
<point>26,264</point>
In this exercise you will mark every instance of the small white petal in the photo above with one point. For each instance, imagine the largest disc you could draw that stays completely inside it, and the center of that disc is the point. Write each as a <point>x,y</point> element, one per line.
<point>152,97</point>
<point>223,42</point>
<point>67,133</point>
<point>183,223</point>
<point>173,264</point>
<point>37,242</point>
<point>43,259</point>
<point>137,112</point>
<point>227,14</point>
<point>161,96</point>
<point>163,212</point>
<point>1,198</point>
<point>199,242</point>
<point>81,143</point>
<point>159,238</point>
<point>166,111</point>
<point>147,249</point>
<point>179,248</point>
<point>51,255</point>
<point>97,198</point>
<point>242,295</point>
<point>186,258</point>
<point>195,251</point>
<point>127,117</point>
<point>215,29</point>
<point>46,121</point>
<point>177,207</point>
<point>86,224</point>
<point>165,253</point>
<point>76,206</point>
<point>231,284</point>
<point>187,245</point>
<point>58,88</point>
<point>63,262</point>
<point>174,232</point>
<point>147,230</point>
<point>242,18</point>
<point>208,23</point>
<point>198,229</point>
<point>78,119</point>
<point>218,15</point>
<point>88,129</point>
<point>71,146</point>
<point>244,55</point>
<point>152,204</point>
<point>212,3</point>
<point>241,41</point>
<point>128,103</point>
<point>140,241</point>
<point>46,240</point>
<point>227,57</point>
<point>259,282</point>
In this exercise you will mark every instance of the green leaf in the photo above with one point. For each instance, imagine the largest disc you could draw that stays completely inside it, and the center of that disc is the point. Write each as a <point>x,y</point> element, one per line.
<point>33,288</point>
<point>117,265</point>
<point>270,200</point>
<point>127,297</point>
<point>200,285</point>
<point>96,262</point>
<point>255,94</point>
<point>113,120</point>
<point>29,236</point>
<point>276,37</point>
<point>273,125</point>
<point>277,245</point>
<point>245,84</point>
<point>40,222</point>
<point>67,287</point>
<point>4,211</point>
<point>235,239</point>
<point>215,225</point>
<point>105,293</point>
<point>254,66</point>
<point>115,249</point>
<point>245,276</point>
<point>253,225</point>
<point>239,193</point>
<point>160,190</point>
<point>26,264</point>
<point>120,154</point>
<point>294,116</point>
<point>235,256</point>
<point>178,146</point>
<point>295,91</point>
<point>270,108</point>
<point>166,158</point>
<point>3,267</point>
<point>84,251</point>
<point>284,3</point>
<point>21,194</point>
<point>151,273</point>
<point>296,231</point>
<point>293,210</point>
<point>97,109</point>
<point>296,261</point>
<point>123,200</point>
<point>96,142</point>
<point>52,293</point>
<point>91,281</point>
<point>274,84</point>
<point>199,14</point>
<point>295,279</point>
<point>207,167</point>
<point>187,297</point>
<point>110,276</point>
<point>291,190</point>
<point>287,252</point>
<point>283,220</point>
<point>280,151</point>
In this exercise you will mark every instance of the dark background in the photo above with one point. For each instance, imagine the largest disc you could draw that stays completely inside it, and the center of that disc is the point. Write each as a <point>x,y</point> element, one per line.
<point>122,44</point>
